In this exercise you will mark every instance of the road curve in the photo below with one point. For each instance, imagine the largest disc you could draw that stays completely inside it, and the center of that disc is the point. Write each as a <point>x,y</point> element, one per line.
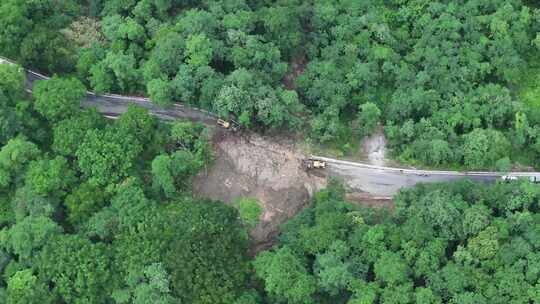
<point>376,180</point>
<point>111,104</point>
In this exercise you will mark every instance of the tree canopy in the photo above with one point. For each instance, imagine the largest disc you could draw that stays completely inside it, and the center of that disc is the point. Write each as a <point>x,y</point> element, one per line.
<point>436,75</point>
<point>443,243</point>
<point>100,211</point>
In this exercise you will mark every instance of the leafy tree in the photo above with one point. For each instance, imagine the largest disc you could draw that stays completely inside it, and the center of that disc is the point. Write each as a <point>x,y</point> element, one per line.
<point>58,98</point>
<point>83,276</point>
<point>483,148</point>
<point>153,287</point>
<point>221,257</point>
<point>248,298</point>
<point>9,122</point>
<point>128,206</point>
<point>104,157</point>
<point>26,202</point>
<point>87,58</point>
<point>253,53</point>
<point>16,113</point>
<point>454,83</point>
<point>24,287</point>
<point>198,50</point>
<point>200,243</point>
<point>101,78</point>
<point>12,80</point>
<point>185,135</point>
<point>28,236</point>
<point>391,269</point>
<point>416,254</point>
<point>116,71</point>
<point>285,276</point>
<point>83,202</point>
<point>283,25</point>
<point>332,269</point>
<point>236,98</point>
<point>434,152</point>
<point>166,56</point>
<point>368,117</point>
<point>250,102</point>
<point>249,210</point>
<point>485,245</point>
<point>138,122</point>
<point>14,157</point>
<point>364,292</point>
<point>279,109</point>
<point>67,134</point>
<point>30,32</point>
<point>160,92</point>
<point>197,85</point>
<point>50,176</point>
<point>476,219</point>
<point>171,173</point>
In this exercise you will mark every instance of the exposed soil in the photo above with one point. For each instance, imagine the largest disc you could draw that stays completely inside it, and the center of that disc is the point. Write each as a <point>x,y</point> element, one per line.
<point>270,170</point>
<point>374,147</point>
<point>368,200</point>
<point>250,165</point>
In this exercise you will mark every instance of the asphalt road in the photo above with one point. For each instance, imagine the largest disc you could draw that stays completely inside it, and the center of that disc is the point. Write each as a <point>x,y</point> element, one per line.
<point>382,182</point>
<point>112,105</point>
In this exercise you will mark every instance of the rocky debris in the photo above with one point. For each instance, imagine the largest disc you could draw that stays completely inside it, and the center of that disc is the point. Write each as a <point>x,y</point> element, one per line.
<point>253,166</point>
<point>374,147</point>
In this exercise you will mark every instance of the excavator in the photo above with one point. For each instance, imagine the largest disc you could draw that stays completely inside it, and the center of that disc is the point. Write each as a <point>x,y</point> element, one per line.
<point>311,163</point>
<point>229,125</point>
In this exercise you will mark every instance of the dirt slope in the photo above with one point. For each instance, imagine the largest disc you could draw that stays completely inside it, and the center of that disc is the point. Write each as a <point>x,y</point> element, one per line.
<point>374,147</point>
<point>254,166</point>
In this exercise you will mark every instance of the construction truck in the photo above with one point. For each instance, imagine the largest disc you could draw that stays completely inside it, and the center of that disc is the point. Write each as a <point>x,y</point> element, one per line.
<point>228,125</point>
<point>311,163</point>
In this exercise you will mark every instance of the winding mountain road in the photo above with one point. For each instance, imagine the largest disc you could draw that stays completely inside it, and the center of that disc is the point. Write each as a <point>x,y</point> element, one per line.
<point>114,105</point>
<point>382,182</point>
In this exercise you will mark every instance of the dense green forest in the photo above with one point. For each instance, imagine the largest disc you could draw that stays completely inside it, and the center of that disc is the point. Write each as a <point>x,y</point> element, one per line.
<point>100,211</point>
<point>454,82</point>
<point>95,210</point>
<point>458,243</point>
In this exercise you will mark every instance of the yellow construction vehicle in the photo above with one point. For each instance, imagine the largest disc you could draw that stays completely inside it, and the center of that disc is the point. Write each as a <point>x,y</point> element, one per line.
<point>313,164</point>
<point>228,125</point>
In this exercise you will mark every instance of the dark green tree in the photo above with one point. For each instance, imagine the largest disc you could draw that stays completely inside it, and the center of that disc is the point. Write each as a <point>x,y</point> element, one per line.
<point>58,98</point>
<point>84,274</point>
<point>14,158</point>
<point>172,173</point>
<point>30,33</point>
<point>106,156</point>
<point>25,287</point>
<point>26,238</point>
<point>67,133</point>
<point>285,276</point>
<point>50,176</point>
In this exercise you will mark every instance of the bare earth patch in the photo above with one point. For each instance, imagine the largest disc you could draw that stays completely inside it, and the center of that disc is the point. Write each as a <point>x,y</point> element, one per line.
<point>374,147</point>
<point>253,166</point>
<point>368,200</point>
<point>270,170</point>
